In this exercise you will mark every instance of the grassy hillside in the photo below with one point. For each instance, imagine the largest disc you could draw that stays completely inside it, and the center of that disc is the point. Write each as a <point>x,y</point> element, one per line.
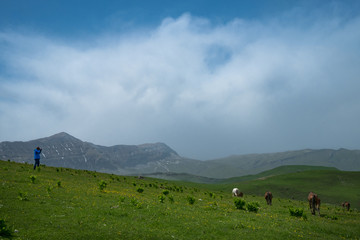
<point>332,186</point>
<point>199,179</point>
<point>59,203</point>
<point>275,172</point>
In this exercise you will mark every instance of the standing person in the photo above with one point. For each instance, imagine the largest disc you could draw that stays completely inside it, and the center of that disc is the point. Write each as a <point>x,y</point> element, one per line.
<point>37,152</point>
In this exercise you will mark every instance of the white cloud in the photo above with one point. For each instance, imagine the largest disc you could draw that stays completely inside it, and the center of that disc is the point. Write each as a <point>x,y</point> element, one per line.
<point>205,90</point>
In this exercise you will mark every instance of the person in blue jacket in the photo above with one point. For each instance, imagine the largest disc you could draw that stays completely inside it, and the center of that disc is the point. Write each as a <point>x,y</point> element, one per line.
<point>37,152</point>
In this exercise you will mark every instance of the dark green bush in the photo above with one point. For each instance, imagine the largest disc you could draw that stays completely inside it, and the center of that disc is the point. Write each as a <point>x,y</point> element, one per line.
<point>102,185</point>
<point>23,196</point>
<point>33,178</point>
<point>239,203</point>
<point>5,231</point>
<point>191,200</point>
<point>296,212</point>
<point>161,198</point>
<point>253,206</point>
<point>122,199</point>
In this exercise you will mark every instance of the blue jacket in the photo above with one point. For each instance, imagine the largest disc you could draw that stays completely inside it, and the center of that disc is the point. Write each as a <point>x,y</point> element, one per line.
<point>37,154</point>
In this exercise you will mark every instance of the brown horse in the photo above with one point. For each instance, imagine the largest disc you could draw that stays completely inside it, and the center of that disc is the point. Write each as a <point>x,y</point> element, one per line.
<point>346,205</point>
<point>314,203</point>
<point>268,198</point>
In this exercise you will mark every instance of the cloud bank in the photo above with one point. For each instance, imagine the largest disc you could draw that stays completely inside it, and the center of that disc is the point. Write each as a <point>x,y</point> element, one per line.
<point>205,90</point>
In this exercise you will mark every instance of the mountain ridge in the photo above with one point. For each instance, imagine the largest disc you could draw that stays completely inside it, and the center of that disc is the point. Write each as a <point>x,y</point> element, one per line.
<point>64,150</point>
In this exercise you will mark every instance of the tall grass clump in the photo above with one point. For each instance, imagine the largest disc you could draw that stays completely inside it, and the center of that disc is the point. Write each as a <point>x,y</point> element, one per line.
<point>191,200</point>
<point>33,178</point>
<point>23,196</point>
<point>239,203</point>
<point>253,207</point>
<point>171,199</point>
<point>136,203</point>
<point>102,185</point>
<point>297,212</point>
<point>5,231</point>
<point>161,198</point>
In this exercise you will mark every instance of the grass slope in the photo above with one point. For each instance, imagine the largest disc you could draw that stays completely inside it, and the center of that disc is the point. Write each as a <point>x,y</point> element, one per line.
<point>58,203</point>
<point>275,172</point>
<point>332,186</point>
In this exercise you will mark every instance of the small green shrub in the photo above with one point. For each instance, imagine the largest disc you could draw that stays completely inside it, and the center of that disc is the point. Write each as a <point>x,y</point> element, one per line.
<point>49,189</point>
<point>122,199</point>
<point>296,212</point>
<point>212,195</point>
<point>171,199</point>
<point>33,178</point>
<point>253,206</point>
<point>239,203</point>
<point>166,192</point>
<point>140,190</point>
<point>102,185</point>
<point>191,200</point>
<point>5,231</point>
<point>59,183</point>
<point>23,196</point>
<point>136,203</point>
<point>161,198</point>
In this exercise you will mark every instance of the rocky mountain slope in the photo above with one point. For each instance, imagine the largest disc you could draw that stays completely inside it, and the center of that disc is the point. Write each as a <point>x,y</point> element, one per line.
<point>64,150</point>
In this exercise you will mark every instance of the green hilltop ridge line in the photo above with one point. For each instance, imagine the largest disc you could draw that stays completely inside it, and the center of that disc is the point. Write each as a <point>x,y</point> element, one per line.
<point>199,179</point>
<point>64,203</point>
<point>277,171</point>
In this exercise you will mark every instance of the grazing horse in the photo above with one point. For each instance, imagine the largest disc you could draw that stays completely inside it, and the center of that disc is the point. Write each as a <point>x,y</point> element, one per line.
<point>346,205</point>
<point>314,203</point>
<point>268,198</point>
<point>237,193</point>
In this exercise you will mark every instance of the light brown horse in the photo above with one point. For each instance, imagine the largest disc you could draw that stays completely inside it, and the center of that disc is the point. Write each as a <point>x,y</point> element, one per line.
<point>314,203</point>
<point>268,198</point>
<point>346,205</point>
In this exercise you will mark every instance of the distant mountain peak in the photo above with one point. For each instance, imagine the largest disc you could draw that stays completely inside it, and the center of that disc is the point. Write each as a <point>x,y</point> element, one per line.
<point>61,135</point>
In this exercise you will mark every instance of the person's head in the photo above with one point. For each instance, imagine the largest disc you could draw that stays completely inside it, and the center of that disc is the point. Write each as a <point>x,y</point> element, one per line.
<point>38,148</point>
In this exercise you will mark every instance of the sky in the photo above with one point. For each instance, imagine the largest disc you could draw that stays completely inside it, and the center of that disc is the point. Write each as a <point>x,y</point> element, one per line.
<point>208,78</point>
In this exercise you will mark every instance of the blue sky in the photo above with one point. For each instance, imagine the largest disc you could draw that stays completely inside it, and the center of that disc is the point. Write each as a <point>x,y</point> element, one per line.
<point>208,78</point>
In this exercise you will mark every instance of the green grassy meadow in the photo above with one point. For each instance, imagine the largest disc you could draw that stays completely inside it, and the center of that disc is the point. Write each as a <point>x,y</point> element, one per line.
<point>59,203</point>
<point>295,182</point>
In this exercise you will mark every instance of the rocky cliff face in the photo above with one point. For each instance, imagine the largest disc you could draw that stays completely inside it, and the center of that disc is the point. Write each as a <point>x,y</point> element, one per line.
<point>64,150</point>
